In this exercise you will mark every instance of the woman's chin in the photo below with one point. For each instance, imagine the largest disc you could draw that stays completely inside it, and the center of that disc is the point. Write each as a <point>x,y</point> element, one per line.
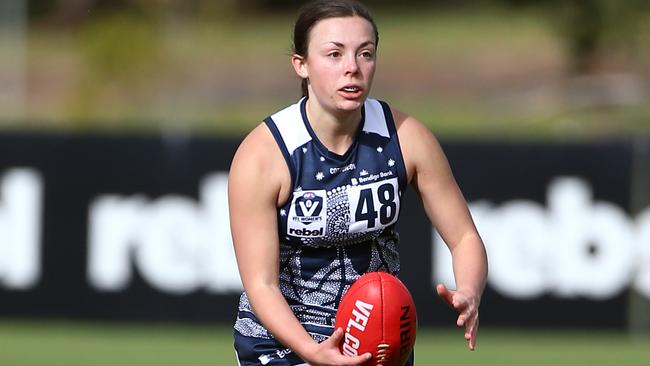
<point>350,105</point>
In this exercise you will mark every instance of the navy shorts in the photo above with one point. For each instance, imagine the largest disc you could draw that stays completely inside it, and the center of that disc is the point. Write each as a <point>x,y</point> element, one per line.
<point>259,351</point>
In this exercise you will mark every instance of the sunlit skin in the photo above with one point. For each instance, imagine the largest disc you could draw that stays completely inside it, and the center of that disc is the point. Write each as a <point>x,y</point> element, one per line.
<point>340,66</point>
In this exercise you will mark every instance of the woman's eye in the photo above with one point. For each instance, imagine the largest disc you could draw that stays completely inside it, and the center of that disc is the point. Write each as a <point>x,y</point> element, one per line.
<point>367,54</point>
<point>334,54</point>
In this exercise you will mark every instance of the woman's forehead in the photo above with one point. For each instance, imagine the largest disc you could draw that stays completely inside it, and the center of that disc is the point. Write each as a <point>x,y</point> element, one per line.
<point>342,30</point>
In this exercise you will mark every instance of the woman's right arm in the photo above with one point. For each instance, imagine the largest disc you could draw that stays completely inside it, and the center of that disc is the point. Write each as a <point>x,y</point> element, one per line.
<point>258,181</point>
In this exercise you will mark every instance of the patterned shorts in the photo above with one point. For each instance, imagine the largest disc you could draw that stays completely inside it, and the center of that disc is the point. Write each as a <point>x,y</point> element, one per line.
<point>253,351</point>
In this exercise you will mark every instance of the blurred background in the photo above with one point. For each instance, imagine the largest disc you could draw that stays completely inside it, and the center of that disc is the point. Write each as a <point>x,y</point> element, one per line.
<point>570,69</point>
<point>118,120</point>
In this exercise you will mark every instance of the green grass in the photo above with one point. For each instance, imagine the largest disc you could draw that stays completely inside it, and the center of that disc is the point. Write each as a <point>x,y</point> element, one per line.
<point>69,344</point>
<point>50,343</point>
<point>535,347</point>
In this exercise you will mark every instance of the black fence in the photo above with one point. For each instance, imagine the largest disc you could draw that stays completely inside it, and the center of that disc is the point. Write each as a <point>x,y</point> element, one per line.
<point>136,228</point>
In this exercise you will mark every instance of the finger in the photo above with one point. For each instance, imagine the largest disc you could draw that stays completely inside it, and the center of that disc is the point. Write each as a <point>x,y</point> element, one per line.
<point>335,340</point>
<point>471,336</point>
<point>461,320</point>
<point>461,303</point>
<point>470,324</point>
<point>468,320</point>
<point>445,294</point>
<point>466,313</point>
<point>355,360</point>
<point>352,360</point>
<point>336,337</point>
<point>442,290</point>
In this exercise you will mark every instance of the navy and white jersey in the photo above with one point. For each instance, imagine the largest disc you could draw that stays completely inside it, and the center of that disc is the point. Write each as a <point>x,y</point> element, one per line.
<point>339,220</point>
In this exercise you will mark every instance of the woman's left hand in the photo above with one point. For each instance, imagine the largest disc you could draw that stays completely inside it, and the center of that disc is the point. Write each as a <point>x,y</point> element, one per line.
<point>467,306</point>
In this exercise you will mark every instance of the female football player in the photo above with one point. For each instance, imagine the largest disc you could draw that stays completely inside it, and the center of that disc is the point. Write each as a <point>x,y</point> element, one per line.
<point>315,192</point>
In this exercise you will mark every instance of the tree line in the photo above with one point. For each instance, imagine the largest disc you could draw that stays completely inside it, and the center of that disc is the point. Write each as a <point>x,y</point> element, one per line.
<point>584,26</point>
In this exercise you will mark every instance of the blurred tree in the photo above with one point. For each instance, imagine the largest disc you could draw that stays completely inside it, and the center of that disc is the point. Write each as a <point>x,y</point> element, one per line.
<point>40,8</point>
<point>206,8</point>
<point>590,27</point>
<point>73,12</point>
<point>587,27</point>
<point>583,25</point>
<point>61,12</point>
<point>373,4</point>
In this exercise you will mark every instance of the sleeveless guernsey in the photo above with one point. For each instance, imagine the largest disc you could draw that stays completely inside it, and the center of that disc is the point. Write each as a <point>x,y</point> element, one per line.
<point>339,220</point>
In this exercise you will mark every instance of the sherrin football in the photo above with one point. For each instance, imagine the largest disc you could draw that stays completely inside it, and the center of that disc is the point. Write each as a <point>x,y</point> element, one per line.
<point>378,316</point>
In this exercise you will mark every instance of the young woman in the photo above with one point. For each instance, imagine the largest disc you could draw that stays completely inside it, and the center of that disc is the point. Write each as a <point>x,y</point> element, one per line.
<point>315,192</point>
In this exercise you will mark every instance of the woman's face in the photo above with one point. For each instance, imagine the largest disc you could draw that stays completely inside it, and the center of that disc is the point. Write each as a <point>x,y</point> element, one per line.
<point>340,63</point>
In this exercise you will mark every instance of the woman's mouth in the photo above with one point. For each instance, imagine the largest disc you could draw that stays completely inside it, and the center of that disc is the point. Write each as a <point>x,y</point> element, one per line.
<point>351,92</point>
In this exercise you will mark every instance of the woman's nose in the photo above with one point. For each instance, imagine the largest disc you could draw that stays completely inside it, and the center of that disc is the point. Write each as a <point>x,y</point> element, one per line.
<point>351,64</point>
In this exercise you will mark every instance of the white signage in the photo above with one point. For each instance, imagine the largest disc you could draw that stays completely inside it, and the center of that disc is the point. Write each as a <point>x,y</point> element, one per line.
<point>574,247</point>
<point>177,245</point>
<point>20,228</point>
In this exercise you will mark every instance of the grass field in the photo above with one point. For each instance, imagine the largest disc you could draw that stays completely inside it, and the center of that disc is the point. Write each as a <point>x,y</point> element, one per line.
<point>70,344</point>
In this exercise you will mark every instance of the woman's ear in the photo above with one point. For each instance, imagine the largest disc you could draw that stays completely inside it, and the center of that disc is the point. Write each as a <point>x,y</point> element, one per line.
<point>300,65</point>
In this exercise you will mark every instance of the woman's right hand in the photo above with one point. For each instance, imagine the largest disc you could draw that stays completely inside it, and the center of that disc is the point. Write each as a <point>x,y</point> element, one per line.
<point>327,353</point>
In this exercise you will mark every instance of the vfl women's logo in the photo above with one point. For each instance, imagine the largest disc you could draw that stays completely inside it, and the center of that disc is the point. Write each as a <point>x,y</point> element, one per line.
<point>307,215</point>
<point>308,208</point>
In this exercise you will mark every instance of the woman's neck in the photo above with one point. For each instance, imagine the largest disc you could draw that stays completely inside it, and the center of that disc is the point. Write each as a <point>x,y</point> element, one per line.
<point>336,131</point>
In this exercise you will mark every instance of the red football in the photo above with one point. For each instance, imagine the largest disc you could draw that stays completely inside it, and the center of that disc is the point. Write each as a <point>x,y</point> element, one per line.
<point>378,316</point>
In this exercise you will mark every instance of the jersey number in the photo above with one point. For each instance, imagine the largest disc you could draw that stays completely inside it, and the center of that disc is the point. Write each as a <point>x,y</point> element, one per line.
<point>366,207</point>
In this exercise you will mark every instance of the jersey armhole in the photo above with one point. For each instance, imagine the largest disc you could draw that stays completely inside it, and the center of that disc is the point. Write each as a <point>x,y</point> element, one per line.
<point>283,148</point>
<point>392,130</point>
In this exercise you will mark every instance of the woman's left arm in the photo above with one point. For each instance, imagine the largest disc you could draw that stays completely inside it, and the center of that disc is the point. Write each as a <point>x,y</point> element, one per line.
<point>429,173</point>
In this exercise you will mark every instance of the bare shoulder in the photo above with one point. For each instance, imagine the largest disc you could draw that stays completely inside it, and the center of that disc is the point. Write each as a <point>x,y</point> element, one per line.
<point>258,159</point>
<point>409,129</point>
<point>256,145</point>
<point>419,145</point>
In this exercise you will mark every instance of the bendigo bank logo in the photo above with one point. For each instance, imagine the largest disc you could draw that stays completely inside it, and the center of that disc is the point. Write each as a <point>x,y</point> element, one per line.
<point>308,208</point>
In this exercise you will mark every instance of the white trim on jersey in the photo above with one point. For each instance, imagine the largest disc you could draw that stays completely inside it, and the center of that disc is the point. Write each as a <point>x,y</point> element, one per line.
<point>291,125</point>
<point>237,358</point>
<point>293,132</point>
<point>375,118</point>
